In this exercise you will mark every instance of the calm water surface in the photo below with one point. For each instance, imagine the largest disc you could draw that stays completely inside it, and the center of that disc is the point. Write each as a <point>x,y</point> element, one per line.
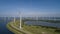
<point>43,23</point>
<point>3,29</point>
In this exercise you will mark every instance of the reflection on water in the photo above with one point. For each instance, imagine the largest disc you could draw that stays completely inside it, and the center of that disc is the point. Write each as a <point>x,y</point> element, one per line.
<point>43,23</point>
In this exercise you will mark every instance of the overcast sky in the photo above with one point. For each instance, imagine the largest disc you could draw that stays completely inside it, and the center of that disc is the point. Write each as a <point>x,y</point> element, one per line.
<point>30,7</point>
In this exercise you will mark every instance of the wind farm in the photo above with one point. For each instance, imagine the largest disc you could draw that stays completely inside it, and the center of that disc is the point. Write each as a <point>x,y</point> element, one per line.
<point>34,25</point>
<point>30,17</point>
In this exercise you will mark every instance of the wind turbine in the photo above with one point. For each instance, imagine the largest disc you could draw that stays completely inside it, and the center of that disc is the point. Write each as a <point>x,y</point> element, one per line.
<point>20,19</point>
<point>14,19</point>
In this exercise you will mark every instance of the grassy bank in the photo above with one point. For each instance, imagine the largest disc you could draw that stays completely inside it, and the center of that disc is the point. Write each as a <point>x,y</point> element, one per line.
<point>51,21</point>
<point>39,29</point>
<point>33,29</point>
<point>15,31</point>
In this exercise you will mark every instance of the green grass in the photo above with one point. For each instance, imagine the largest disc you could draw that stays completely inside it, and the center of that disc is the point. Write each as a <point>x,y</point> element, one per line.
<point>15,31</point>
<point>39,29</point>
<point>34,29</point>
<point>52,21</point>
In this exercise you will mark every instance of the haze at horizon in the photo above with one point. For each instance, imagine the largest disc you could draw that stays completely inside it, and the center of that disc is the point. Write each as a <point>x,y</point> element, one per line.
<point>30,7</point>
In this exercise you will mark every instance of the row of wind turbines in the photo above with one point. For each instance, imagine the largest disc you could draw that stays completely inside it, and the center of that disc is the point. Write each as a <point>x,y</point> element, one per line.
<point>20,15</point>
<point>19,20</point>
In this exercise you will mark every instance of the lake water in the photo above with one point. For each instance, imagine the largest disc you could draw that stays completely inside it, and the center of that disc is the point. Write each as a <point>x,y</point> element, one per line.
<point>4,21</point>
<point>3,29</point>
<point>43,23</point>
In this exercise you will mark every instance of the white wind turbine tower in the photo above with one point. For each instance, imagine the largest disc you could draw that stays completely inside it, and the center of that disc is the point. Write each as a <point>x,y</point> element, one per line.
<point>20,19</point>
<point>14,19</point>
<point>19,13</point>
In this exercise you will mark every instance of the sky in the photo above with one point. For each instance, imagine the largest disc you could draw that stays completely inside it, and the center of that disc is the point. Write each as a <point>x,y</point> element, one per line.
<point>30,8</point>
